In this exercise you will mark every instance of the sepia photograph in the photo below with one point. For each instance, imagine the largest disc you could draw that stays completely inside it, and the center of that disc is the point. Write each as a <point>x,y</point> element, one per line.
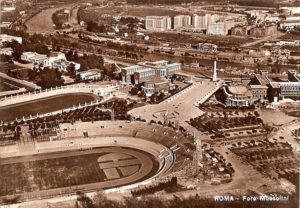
<point>149,103</point>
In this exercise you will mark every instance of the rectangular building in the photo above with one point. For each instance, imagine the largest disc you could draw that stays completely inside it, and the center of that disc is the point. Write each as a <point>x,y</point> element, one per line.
<point>92,74</point>
<point>154,85</point>
<point>219,28</point>
<point>53,56</point>
<point>182,21</point>
<point>62,65</point>
<point>144,74</point>
<point>259,92</point>
<point>128,72</point>
<point>33,57</point>
<point>279,90</point>
<point>158,23</point>
<point>143,70</point>
<point>9,38</point>
<point>201,21</point>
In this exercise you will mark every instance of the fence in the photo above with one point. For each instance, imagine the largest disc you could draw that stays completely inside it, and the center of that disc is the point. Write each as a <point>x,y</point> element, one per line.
<point>39,94</point>
<point>32,117</point>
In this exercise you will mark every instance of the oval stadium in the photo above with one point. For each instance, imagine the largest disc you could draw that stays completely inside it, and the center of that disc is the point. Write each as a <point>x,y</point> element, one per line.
<point>91,156</point>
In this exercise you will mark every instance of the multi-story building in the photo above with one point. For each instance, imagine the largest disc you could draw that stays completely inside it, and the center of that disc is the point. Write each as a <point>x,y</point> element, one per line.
<point>182,21</point>
<point>259,92</point>
<point>128,72</point>
<point>158,23</point>
<point>219,28</point>
<point>279,90</point>
<point>143,70</point>
<point>144,74</point>
<point>163,68</point>
<point>154,85</point>
<point>200,21</point>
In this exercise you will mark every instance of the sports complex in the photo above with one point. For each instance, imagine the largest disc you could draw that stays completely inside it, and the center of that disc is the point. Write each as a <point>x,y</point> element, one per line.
<point>89,157</point>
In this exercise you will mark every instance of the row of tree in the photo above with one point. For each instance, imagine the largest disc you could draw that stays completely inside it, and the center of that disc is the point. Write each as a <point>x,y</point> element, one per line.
<point>168,185</point>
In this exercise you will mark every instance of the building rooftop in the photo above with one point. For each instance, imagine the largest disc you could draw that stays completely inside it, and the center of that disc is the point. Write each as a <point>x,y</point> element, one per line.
<point>238,90</point>
<point>132,67</point>
<point>145,70</point>
<point>94,71</point>
<point>155,80</point>
<point>262,79</point>
<point>54,54</point>
<point>258,87</point>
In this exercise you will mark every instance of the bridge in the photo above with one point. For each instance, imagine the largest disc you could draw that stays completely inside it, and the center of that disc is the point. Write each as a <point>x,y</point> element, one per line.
<point>104,91</point>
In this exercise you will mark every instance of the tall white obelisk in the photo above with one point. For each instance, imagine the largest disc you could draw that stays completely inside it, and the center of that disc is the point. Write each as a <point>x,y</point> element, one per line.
<point>215,78</point>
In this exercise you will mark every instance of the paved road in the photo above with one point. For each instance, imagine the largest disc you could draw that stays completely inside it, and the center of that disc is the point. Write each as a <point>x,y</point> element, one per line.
<point>267,38</point>
<point>26,84</point>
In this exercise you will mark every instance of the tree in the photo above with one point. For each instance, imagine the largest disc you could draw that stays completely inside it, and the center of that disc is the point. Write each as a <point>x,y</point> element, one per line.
<point>85,201</point>
<point>49,78</point>
<point>71,70</point>
<point>90,62</point>
<point>94,27</point>
<point>134,91</point>
<point>32,47</point>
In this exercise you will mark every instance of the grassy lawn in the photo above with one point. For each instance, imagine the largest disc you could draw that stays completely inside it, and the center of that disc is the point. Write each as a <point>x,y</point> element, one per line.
<point>44,106</point>
<point>50,173</point>
<point>4,66</point>
<point>59,170</point>
<point>95,14</point>
<point>194,39</point>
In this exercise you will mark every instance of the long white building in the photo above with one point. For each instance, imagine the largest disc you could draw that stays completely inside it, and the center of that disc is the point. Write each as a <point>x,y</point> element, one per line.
<point>143,70</point>
<point>9,38</point>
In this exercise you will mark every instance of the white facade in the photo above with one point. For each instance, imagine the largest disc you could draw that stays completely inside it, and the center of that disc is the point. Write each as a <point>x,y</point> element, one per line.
<point>217,29</point>
<point>6,51</point>
<point>5,24</point>
<point>182,21</point>
<point>158,23</point>
<point>150,69</point>
<point>290,24</point>
<point>9,9</point>
<point>291,10</point>
<point>62,65</point>
<point>92,74</point>
<point>33,57</point>
<point>9,38</point>
<point>53,57</point>
<point>201,21</point>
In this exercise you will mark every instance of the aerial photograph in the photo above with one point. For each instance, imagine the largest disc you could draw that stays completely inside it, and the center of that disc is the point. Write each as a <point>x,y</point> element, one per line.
<point>149,103</point>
